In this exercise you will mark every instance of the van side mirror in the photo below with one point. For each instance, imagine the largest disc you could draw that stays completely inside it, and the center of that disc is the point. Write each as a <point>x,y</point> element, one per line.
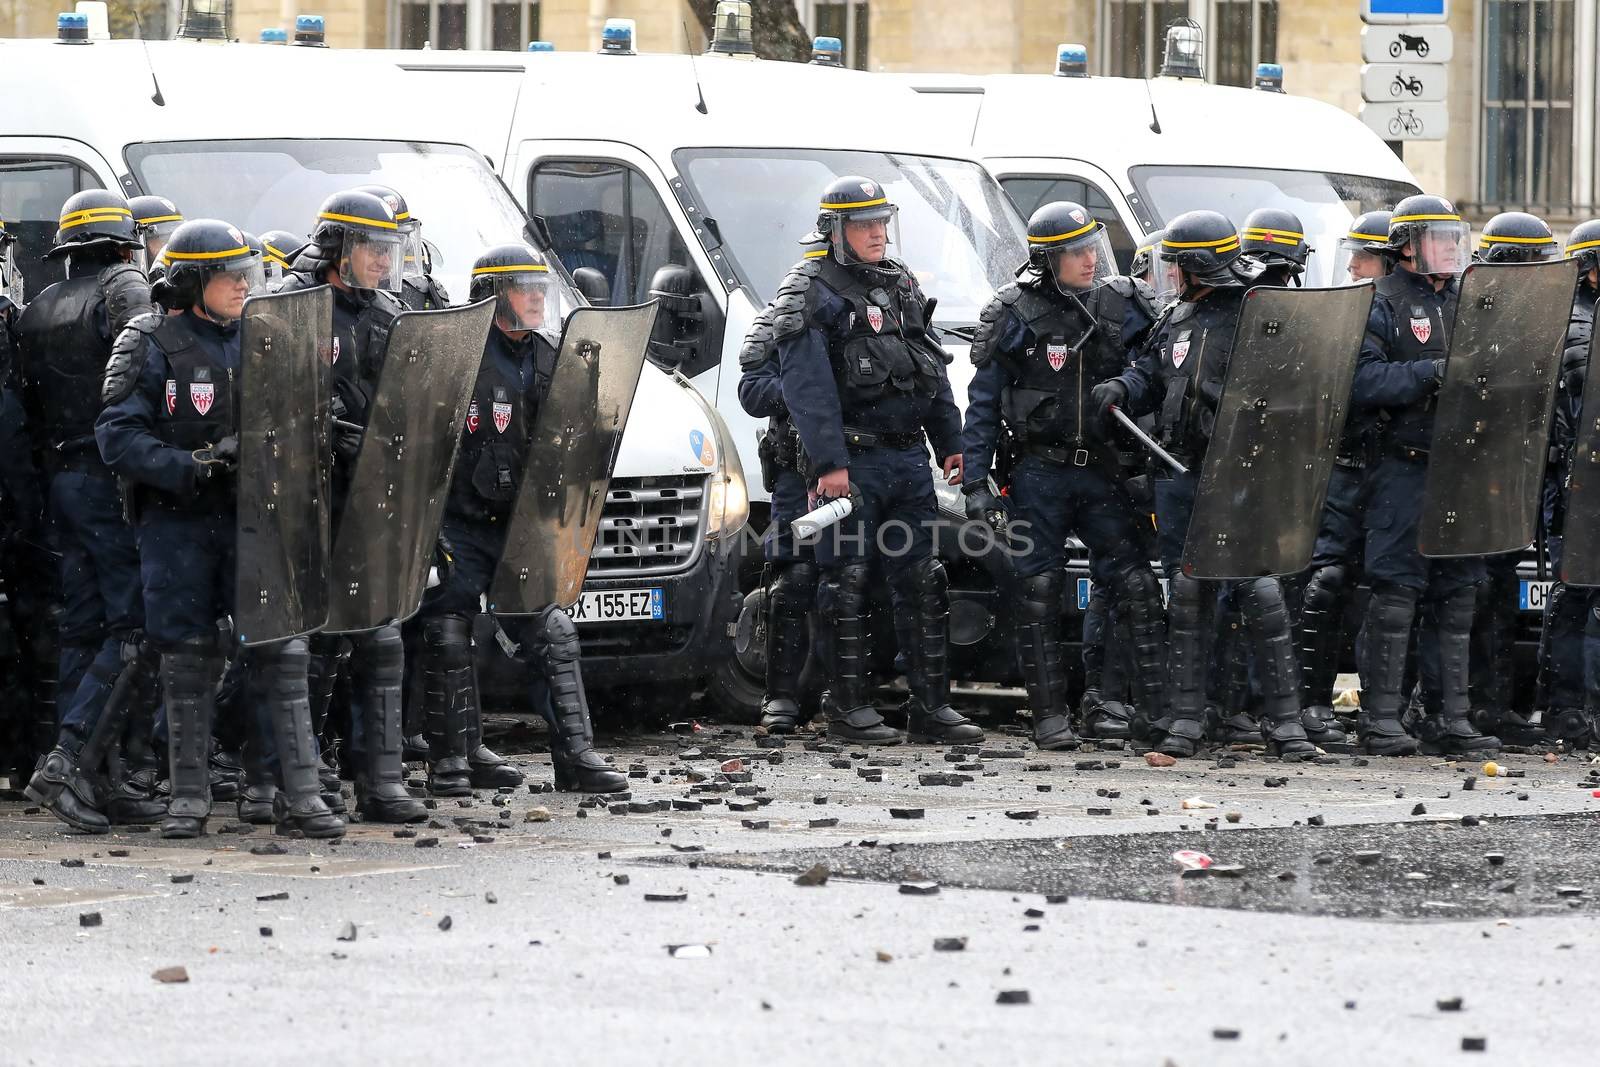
<point>593,285</point>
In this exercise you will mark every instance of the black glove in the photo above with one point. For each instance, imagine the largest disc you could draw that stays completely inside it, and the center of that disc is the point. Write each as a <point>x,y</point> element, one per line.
<point>226,451</point>
<point>984,506</point>
<point>1108,395</point>
<point>444,557</point>
<point>216,461</point>
<point>1438,371</point>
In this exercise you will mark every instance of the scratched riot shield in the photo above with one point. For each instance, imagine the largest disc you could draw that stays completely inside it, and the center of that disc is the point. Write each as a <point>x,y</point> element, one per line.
<point>391,516</point>
<point>281,580</point>
<point>1265,479</point>
<point>570,459</point>
<point>1491,425</point>
<point>1580,538</point>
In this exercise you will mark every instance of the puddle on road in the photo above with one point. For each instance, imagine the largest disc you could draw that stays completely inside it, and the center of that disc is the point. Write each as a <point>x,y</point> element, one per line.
<point>1548,865</point>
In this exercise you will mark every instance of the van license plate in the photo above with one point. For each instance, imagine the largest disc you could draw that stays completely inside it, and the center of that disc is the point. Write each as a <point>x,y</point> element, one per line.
<point>1533,595</point>
<point>618,605</point>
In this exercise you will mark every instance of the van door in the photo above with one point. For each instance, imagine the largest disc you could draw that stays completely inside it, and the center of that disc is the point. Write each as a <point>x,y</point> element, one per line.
<point>1036,182</point>
<point>609,209</point>
<point>37,175</point>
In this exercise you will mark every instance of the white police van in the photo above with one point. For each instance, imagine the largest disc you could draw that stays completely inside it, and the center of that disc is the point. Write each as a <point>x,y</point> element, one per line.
<point>259,135</point>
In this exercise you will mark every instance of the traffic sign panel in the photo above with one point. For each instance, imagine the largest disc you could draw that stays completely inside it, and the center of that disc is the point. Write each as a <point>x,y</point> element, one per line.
<point>1402,11</point>
<point>1407,122</point>
<point>1407,44</point>
<point>1389,82</point>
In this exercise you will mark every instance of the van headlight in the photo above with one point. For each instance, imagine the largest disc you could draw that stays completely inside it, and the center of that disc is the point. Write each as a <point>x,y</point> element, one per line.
<point>728,499</point>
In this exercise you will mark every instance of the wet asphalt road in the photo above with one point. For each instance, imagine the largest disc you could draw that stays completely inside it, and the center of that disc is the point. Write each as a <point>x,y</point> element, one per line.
<point>553,951</point>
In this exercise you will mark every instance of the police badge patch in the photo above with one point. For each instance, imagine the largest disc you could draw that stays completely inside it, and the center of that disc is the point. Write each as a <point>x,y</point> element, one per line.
<point>875,319</point>
<point>201,394</point>
<point>1422,329</point>
<point>869,188</point>
<point>1078,216</point>
<point>1056,355</point>
<point>502,416</point>
<point>474,420</point>
<point>172,395</point>
<point>1180,351</point>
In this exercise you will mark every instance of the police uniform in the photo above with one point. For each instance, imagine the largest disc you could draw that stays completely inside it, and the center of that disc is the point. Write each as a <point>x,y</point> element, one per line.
<point>65,338</point>
<point>1039,350</point>
<point>170,428</point>
<point>864,380</point>
<point>1398,375</point>
<point>1180,375</point>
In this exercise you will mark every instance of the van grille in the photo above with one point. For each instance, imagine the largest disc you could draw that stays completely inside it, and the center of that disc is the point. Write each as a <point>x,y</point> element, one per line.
<point>649,526</point>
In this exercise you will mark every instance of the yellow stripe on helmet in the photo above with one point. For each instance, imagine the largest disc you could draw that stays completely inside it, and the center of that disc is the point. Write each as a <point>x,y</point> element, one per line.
<point>859,203</point>
<point>1354,236</point>
<point>818,254</point>
<point>1079,232</point>
<point>515,268</point>
<point>1225,244</point>
<point>1424,218</point>
<point>1494,239</point>
<point>1579,247</point>
<point>382,224</point>
<point>94,214</point>
<point>243,250</point>
<point>153,219</point>
<point>1261,233</point>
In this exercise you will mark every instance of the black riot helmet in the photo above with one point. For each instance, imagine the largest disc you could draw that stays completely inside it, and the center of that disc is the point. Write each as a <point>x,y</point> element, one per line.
<point>359,234</point>
<point>522,285</point>
<point>1360,253</point>
<point>278,248</point>
<point>1144,258</point>
<point>1438,236</point>
<point>154,218</point>
<point>416,263</point>
<point>94,218</point>
<point>1276,238</point>
<point>201,249</point>
<point>1069,246</point>
<point>854,199</point>
<point>1205,247</point>
<point>1516,237</point>
<point>1583,244</point>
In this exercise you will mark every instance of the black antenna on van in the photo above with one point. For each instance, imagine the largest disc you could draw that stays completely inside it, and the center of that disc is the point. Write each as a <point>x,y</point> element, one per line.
<point>688,50</point>
<point>155,98</point>
<point>1155,121</point>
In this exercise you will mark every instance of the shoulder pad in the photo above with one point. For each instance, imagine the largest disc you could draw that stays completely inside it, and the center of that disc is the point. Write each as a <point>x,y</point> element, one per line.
<point>128,355</point>
<point>989,320</point>
<point>758,341</point>
<point>127,292</point>
<point>1181,310</point>
<point>789,306</point>
<point>1138,291</point>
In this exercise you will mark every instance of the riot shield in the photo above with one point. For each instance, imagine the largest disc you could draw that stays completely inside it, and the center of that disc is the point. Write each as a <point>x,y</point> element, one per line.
<point>390,522</point>
<point>286,374</point>
<point>1259,500</point>
<point>1580,537</point>
<point>570,458</point>
<point>1491,425</point>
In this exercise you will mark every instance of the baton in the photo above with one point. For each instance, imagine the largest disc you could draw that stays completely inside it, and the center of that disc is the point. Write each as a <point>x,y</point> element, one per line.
<point>830,514</point>
<point>1149,442</point>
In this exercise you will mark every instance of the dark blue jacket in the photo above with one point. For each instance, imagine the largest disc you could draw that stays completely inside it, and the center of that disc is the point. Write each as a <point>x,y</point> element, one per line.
<point>1408,328</point>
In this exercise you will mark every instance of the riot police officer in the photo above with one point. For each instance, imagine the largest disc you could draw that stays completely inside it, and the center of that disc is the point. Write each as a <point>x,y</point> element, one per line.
<point>1181,374</point>
<point>154,218</point>
<point>357,247</point>
<point>278,248</point>
<point>171,429</point>
<point>1145,264</point>
<point>1569,648</point>
<point>1335,568</point>
<point>1277,240</point>
<point>864,380</point>
<point>419,289</point>
<point>1398,376</point>
<point>1041,346</point>
<point>65,337</point>
<point>514,378</point>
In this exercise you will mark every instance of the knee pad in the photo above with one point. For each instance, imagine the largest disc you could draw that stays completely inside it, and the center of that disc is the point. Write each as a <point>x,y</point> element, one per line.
<point>1262,604</point>
<point>793,589</point>
<point>1183,604</point>
<point>847,586</point>
<point>384,654</point>
<point>1327,584</point>
<point>1041,597</point>
<point>558,634</point>
<point>929,578</point>
<point>448,639</point>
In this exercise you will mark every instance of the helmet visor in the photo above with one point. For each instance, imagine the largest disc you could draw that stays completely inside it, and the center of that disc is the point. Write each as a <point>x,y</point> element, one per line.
<point>1166,279</point>
<point>1354,263</point>
<point>416,252</point>
<point>1078,266</point>
<point>373,261</point>
<point>526,301</point>
<point>223,290</point>
<point>1440,246</point>
<point>866,238</point>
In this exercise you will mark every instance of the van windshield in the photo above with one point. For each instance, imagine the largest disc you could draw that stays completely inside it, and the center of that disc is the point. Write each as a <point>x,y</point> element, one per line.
<point>1325,203</point>
<point>959,233</point>
<point>261,185</point>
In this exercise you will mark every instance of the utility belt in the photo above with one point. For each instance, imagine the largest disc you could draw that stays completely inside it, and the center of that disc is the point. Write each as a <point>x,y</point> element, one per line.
<point>858,440</point>
<point>1102,456</point>
<point>779,449</point>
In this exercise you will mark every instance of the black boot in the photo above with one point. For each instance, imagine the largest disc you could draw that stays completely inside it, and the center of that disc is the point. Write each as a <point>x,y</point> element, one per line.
<point>380,782</point>
<point>1180,731</point>
<point>1139,623</point>
<point>791,596</point>
<point>413,740</point>
<point>931,719</point>
<point>189,677</point>
<point>1493,656</point>
<point>1266,619</point>
<point>62,788</point>
<point>1450,731</point>
<point>225,768</point>
<point>489,769</point>
<point>1228,719</point>
<point>449,696</point>
<point>278,676</point>
<point>1039,642</point>
<point>330,656</point>
<point>133,800</point>
<point>578,767</point>
<point>1386,637</point>
<point>1095,706</point>
<point>843,602</point>
<point>1320,639</point>
<point>258,789</point>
